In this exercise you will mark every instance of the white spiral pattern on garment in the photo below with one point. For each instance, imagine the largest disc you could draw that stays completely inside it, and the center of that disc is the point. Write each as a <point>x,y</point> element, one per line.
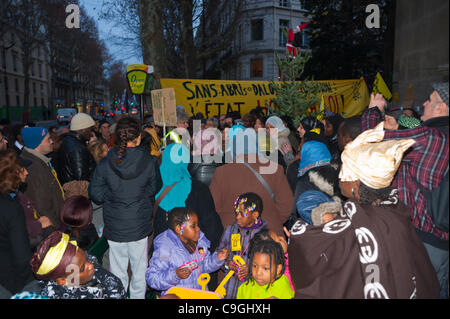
<point>298,228</point>
<point>375,291</point>
<point>350,209</point>
<point>336,226</point>
<point>368,246</point>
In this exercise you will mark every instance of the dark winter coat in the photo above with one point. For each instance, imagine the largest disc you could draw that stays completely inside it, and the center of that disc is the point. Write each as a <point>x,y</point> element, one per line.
<point>35,231</point>
<point>74,161</point>
<point>127,193</point>
<point>42,186</point>
<point>15,252</point>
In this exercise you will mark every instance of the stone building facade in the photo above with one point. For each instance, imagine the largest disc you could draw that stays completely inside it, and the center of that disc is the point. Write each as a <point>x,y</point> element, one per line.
<point>421,47</point>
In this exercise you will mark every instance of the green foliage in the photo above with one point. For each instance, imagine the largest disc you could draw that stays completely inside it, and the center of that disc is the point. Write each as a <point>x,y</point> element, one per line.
<point>342,46</point>
<point>294,97</point>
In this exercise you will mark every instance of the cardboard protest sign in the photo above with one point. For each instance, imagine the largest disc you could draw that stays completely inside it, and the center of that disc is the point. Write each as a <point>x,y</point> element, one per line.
<point>164,107</point>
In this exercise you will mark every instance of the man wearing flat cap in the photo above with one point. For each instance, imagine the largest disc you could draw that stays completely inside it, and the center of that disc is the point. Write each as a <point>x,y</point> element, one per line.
<point>75,162</point>
<point>43,186</point>
<point>423,169</point>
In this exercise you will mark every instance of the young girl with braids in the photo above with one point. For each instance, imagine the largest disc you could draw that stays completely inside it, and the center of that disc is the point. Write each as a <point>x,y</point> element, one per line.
<point>182,253</point>
<point>265,278</point>
<point>125,182</point>
<point>248,208</point>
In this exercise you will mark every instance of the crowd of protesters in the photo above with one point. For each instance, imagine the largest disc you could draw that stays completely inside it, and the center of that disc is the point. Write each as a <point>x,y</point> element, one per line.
<point>332,208</point>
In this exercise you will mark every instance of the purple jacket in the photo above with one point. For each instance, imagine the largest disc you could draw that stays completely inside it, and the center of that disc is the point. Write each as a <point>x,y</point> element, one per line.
<point>170,254</point>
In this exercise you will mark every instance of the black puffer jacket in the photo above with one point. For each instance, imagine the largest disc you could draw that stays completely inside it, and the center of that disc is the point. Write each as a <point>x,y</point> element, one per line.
<point>203,172</point>
<point>74,161</point>
<point>127,192</point>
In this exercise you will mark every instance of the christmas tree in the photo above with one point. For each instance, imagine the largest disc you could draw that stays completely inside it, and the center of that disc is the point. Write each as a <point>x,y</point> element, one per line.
<point>294,94</point>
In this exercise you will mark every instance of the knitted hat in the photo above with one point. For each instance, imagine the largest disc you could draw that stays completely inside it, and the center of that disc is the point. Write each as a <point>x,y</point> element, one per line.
<point>81,121</point>
<point>32,136</point>
<point>442,89</point>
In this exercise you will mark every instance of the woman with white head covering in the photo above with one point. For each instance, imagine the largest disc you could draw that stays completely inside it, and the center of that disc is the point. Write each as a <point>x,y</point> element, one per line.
<point>371,250</point>
<point>274,126</point>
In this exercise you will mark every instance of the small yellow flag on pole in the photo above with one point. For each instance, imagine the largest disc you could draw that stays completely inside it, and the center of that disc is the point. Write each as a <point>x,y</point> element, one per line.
<point>321,114</point>
<point>379,86</point>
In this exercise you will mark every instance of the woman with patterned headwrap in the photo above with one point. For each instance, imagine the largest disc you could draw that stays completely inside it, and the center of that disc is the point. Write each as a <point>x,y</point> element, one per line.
<point>371,250</point>
<point>67,272</point>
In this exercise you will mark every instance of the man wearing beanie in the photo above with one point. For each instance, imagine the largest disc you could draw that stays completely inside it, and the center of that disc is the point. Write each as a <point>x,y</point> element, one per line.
<point>43,186</point>
<point>423,170</point>
<point>75,162</point>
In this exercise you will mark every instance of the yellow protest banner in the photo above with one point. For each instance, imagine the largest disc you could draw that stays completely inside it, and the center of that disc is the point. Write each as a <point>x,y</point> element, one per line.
<point>379,86</point>
<point>216,97</point>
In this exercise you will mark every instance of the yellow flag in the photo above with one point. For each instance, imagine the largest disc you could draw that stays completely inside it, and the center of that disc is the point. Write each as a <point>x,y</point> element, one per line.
<point>321,110</point>
<point>379,86</point>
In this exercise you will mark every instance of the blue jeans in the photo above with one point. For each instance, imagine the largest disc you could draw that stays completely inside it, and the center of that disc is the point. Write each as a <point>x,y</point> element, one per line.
<point>439,259</point>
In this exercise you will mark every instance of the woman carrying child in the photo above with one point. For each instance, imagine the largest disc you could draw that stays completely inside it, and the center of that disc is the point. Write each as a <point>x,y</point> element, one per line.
<point>182,254</point>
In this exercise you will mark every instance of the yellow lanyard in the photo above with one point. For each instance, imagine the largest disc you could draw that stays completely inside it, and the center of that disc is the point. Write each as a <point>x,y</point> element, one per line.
<point>56,177</point>
<point>36,216</point>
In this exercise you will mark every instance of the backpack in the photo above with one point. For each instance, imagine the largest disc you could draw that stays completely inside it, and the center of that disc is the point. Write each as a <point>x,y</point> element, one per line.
<point>437,203</point>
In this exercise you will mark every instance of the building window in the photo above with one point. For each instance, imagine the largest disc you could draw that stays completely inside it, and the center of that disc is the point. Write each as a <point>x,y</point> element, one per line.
<point>18,100</point>
<point>14,61</point>
<point>40,70</point>
<point>4,59</point>
<point>303,4</point>
<point>256,68</point>
<point>35,101</point>
<point>284,24</point>
<point>257,30</point>
<point>42,102</point>
<point>42,89</point>
<point>285,3</point>
<point>32,68</point>
<point>16,83</point>
<point>34,88</point>
<point>305,39</point>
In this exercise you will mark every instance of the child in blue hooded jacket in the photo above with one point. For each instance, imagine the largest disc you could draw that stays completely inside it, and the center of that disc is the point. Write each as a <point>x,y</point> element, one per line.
<point>182,254</point>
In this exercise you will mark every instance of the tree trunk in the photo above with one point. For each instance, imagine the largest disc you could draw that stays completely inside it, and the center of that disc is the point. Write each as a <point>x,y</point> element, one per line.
<point>189,50</point>
<point>152,37</point>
